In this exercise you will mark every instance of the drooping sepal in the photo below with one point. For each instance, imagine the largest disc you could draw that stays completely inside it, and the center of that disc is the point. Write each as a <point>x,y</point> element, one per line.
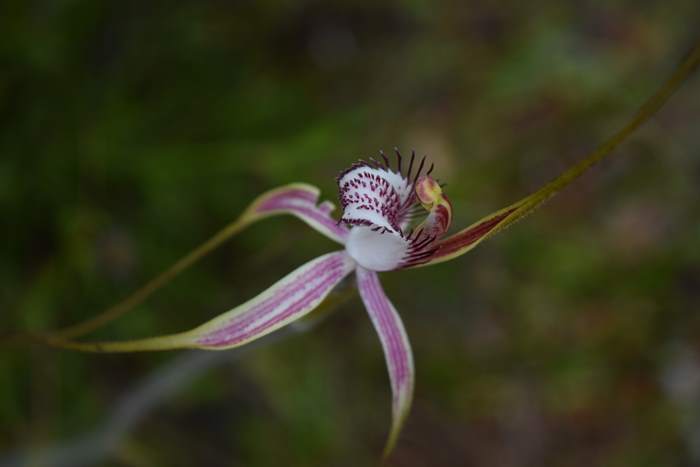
<point>397,349</point>
<point>285,302</point>
<point>288,300</point>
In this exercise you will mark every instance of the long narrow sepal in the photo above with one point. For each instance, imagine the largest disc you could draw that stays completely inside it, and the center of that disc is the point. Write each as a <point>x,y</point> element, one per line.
<point>397,349</point>
<point>297,199</point>
<point>288,300</point>
<point>463,241</point>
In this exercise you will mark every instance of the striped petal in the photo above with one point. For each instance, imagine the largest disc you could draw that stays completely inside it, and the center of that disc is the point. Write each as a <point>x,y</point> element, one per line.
<point>288,300</point>
<point>297,199</point>
<point>382,203</point>
<point>463,241</point>
<point>375,200</point>
<point>300,200</point>
<point>379,249</point>
<point>374,196</point>
<point>397,349</point>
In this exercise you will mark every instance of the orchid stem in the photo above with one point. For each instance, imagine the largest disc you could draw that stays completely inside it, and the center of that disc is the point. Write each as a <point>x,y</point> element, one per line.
<point>138,297</point>
<point>467,239</point>
<point>645,112</point>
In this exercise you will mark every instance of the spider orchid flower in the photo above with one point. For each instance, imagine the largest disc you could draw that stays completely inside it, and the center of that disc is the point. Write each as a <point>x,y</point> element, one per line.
<point>394,216</point>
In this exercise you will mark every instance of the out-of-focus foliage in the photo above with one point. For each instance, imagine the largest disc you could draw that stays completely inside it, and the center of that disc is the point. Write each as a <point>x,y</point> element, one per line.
<point>130,131</point>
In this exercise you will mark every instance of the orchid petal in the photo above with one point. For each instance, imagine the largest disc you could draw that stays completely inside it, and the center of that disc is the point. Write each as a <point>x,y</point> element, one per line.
<point>463,241</point>
<point>300,200</point>
<point>374,196</point>
<point>288,300</point>
<point>397,349</point>
<point>297,199</point>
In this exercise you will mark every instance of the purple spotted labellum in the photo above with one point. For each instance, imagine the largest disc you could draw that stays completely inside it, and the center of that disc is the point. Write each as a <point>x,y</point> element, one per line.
<point>381,204</point>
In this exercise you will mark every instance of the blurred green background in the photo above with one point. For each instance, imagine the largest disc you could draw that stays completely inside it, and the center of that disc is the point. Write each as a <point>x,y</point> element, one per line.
<point>131,131</point>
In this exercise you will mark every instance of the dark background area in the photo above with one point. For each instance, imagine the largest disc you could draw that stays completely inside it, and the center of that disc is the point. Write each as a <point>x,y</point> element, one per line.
<point>131,131</point>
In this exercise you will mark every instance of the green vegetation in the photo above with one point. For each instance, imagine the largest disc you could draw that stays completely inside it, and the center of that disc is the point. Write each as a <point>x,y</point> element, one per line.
<point>130,133</point>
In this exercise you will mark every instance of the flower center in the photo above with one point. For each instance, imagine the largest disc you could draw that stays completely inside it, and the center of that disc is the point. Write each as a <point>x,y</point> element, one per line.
<point>381,203</point>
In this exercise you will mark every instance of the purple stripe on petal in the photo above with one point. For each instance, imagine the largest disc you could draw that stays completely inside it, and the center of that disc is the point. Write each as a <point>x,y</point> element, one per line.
<point>374,196</point>
<point>466,238</point>
<point>302,203</point>
<point>397,349</point>
<point>291,298</point>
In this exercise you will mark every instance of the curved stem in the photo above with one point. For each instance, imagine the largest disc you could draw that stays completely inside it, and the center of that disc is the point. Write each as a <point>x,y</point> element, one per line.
<point>645,112</point>
<point>137,297</point>
<point>463,241</point>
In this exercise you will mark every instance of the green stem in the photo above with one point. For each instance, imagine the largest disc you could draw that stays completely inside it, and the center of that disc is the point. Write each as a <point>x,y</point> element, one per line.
<point>645,112</point>
<point>137,297</point>
<point>467,239</point>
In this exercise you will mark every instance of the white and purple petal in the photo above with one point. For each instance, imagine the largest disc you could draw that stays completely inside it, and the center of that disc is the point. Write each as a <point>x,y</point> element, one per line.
<point>397,349</point>
<point>463,241</point>
<point>291,298</point>
<point>286,301</point>
<point>381,204</point>
<point>301,200</point>
<point>375,196</point>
